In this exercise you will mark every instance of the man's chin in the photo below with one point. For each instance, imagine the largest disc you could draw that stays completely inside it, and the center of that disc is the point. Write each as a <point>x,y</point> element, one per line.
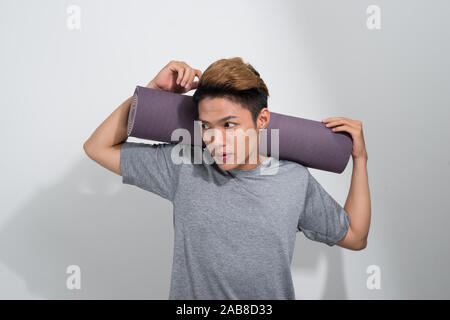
<point>226,166</point>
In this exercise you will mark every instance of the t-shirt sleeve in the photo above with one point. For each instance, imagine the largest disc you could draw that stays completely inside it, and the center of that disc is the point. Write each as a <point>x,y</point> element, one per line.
<point>322,218</point>
<point>150,167</point>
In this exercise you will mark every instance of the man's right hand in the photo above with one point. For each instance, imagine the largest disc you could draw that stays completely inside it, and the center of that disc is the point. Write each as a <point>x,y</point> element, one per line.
<point>177,77</point>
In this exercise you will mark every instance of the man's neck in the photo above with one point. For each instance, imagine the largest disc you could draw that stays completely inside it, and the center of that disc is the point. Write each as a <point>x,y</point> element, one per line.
<point>250,166</point>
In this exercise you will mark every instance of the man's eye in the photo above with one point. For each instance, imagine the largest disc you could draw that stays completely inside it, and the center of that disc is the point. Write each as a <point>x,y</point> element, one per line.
<point>203,126</point>
<point>232,124</point>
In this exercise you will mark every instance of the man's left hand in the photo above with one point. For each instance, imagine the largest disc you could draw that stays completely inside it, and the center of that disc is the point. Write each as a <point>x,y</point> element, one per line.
<point>354,127</point>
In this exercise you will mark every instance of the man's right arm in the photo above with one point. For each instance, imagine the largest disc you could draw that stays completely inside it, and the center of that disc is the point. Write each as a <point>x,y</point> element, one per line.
<point>105,143</point>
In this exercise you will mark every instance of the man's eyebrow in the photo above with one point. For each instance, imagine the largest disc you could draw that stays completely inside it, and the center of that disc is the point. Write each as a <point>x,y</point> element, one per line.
<point>221,120</point>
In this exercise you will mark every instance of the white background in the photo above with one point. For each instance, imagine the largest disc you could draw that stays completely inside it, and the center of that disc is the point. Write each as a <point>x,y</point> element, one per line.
<point>318,60</point>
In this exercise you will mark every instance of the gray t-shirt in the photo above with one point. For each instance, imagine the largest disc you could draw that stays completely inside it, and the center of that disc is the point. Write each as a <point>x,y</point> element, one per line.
<point>234,230</point>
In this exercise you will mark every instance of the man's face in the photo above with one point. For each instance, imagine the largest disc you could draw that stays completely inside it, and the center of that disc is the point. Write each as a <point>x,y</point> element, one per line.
<point>228,128</point>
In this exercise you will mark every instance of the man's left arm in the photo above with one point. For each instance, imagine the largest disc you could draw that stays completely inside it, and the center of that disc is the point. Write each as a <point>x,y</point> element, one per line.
<point>357,204</point>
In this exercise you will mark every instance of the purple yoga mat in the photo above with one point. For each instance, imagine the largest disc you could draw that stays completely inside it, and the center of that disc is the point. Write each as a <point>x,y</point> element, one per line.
<point>155,114</point>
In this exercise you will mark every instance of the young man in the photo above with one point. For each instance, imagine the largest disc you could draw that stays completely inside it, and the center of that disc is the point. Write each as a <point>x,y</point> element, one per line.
<point>235,227</point>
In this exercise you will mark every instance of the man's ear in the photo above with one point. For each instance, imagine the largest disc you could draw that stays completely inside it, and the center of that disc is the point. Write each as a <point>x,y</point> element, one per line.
<point>263,118</point>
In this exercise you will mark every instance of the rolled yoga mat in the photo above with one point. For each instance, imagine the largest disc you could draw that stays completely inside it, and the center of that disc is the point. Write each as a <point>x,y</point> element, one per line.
<point>155,114</point>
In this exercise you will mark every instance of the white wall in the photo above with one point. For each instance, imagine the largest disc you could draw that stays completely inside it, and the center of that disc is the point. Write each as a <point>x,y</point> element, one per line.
<point>318,59</point>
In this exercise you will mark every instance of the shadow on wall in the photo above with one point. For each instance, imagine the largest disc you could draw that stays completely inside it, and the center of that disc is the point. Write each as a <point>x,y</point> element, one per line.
<point>122,239</point>
<point>317,270</point>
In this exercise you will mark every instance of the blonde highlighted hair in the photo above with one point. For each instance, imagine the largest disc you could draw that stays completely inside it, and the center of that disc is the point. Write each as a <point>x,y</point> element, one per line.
<point>236,80</point>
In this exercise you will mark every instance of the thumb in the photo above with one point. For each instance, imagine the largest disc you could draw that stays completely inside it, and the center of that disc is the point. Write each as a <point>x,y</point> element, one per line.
<point>194,85</point>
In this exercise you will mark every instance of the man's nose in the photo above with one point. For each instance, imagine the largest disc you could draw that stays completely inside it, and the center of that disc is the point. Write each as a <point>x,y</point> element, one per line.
<point>219,139</point>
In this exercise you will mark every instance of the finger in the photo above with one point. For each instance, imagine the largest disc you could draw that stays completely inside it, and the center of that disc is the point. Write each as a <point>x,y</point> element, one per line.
<point>336,122</point>
<point>198,73</point>
<point>191,79</point>
<point>180,71</point>
<point>331,119</point>
<point>344,128</point>
<point>348,122</point>
<point>187,74</point>
<point>194,84</point>
<point>333,124</point>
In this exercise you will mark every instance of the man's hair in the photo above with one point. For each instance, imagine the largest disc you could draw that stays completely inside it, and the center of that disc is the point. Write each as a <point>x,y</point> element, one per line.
<point>235,80</point>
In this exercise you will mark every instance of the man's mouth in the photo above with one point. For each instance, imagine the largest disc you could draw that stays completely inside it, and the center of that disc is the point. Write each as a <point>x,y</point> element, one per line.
<point>222,156</point>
